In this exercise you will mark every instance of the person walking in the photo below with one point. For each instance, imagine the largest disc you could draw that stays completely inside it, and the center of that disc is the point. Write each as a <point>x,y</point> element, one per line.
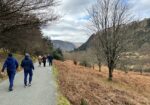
<point>28,67</point>
<point>40,60</point>
<point>44,60</point>
<point>11,64</point>
<point>50,60</point>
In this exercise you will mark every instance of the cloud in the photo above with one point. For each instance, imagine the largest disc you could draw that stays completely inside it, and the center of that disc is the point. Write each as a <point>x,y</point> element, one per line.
<point>72,25</point>
<point>140,8</point>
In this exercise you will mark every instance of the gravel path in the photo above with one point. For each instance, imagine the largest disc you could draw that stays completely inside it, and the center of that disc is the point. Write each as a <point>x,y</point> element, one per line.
<point>42,91</point>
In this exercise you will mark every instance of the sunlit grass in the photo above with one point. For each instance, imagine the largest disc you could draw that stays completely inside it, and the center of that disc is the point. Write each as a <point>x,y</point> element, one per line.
<point>61,99</point>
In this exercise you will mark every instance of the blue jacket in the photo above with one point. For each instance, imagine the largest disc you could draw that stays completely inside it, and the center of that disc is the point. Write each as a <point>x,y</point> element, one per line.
<point>50,58</point>
<point>27,64</point>
<point>11,64</point>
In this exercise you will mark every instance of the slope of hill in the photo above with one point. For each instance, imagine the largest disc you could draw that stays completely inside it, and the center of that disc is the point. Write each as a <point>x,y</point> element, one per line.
<point>139,47</point>
<point>87,44</point>
<point>63,45</point>
<point>141,36</point>
<point>77,44</point>
<point>78,84</point>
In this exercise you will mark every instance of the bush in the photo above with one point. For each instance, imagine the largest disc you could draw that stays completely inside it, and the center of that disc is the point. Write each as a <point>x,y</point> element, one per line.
<point>85,63</point>
<point>83,102</point>
<point>63,101</point>
<point>75,62</point>
<point>57,54</point>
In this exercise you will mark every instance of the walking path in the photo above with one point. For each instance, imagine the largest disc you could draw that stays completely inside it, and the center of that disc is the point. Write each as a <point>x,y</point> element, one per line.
<point>42,92</point>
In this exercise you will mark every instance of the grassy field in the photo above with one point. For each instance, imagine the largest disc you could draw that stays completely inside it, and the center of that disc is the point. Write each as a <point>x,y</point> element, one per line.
<point>80,84</point>
<point>61,99</point>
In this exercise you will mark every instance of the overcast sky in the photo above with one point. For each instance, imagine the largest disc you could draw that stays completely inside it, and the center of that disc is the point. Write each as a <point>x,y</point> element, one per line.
<point>72,26</point>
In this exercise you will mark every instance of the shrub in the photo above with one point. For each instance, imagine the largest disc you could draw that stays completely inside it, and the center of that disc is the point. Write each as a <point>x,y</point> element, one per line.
<point>85,63</point>
<point>75,62</point>
<point>57,54</point>
<point>83,102</point>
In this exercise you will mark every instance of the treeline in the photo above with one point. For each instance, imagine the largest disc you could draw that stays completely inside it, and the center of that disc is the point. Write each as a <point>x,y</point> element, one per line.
<point>20,22</point>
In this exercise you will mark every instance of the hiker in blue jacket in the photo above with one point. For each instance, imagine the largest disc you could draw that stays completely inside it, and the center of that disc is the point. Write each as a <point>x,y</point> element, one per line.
<point>11,64</point>
<point>28,66</point>
<point>50,59</point>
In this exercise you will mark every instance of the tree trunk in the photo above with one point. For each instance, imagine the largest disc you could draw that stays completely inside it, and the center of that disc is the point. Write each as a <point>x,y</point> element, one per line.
<point>25,50</point>
<point>99,65</point>
<point>141,71</point>
<point>110,73</point>
<point>126,71</point>
<point>93,67</point>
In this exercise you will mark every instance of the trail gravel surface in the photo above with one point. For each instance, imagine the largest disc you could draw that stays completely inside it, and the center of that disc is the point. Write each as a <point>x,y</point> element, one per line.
<point>42,92</point>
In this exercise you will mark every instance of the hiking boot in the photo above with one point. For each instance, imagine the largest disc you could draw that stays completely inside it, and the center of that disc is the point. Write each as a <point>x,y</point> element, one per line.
<point>25,86</point>
<point>10,89</point>
<point>29,84</point>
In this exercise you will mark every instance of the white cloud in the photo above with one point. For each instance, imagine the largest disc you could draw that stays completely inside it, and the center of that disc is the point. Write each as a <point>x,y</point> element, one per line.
<point>72,26</point>
<point>141,8</point>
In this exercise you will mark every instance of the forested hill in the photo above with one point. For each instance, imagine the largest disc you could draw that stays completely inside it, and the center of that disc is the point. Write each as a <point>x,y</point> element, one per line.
<point>88,43</point>
<point>141,36</point>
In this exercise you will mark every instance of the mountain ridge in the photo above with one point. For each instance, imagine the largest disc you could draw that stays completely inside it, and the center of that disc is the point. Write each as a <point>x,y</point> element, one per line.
<point>63,45</point>
<point>141,35</point>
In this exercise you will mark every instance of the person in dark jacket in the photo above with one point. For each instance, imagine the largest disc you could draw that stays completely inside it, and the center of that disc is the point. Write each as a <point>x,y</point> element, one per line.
<point>28,67</point>
<point>44,60</point>
<point>11,64</point>
<point>50,60</point>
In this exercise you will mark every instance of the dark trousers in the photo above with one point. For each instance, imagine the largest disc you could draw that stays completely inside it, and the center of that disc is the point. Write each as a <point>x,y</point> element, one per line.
<point>44,63</point>
<point>26,73</point>
<point>50,63</point>
<point>39,63</point>
<point>11,76</point>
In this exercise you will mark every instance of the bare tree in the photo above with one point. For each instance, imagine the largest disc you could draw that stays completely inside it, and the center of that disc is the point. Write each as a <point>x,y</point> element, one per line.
<point>109,18</point>
<point>97,51</point>
<point>20,12</point>
<point>25,16</point>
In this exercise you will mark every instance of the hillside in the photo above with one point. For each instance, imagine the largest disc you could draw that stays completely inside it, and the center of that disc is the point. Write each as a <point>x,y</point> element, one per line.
<point>136,57</point>
<point>77,44</point>
<point>78,84</point>
<point>87,44</point>
<point>140,37</point>
<point>63,45</point>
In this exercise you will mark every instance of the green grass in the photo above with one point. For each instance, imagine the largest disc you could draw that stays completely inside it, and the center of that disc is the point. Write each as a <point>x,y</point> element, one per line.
<point>55,71</point>
<point>61,99</point>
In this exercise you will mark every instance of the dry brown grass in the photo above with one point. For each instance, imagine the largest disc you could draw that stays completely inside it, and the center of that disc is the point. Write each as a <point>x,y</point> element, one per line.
<point>77,82</point>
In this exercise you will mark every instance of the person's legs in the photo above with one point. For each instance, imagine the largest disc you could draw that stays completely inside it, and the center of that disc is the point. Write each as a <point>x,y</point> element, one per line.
<point>25,77</point>
<point>39,63</point>
<point>51,63</point>
<point>11,75</point>
<point>12,79</point>
<point>44,64</point>
<point>30,77</point>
